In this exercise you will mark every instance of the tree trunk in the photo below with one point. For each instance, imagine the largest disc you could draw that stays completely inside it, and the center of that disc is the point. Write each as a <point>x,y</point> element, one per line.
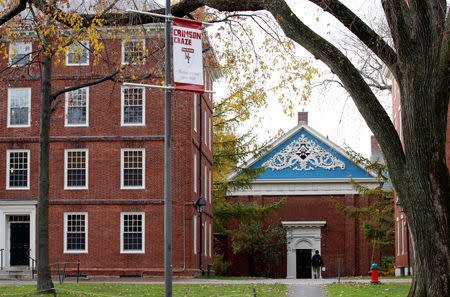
<point>44,281</point>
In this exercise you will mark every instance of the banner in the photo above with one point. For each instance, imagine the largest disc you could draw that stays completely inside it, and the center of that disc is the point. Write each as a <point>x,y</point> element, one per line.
<point>187,55</point>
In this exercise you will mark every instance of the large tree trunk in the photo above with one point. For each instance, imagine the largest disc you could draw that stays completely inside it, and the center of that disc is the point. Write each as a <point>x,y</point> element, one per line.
<point>44,281</point>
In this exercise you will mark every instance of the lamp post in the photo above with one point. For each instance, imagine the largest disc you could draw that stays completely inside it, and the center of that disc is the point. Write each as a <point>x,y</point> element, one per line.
<point>200,204</point>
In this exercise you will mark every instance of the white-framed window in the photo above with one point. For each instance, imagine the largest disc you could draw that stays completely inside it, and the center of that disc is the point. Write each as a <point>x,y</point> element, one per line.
<point>18,169</point>
<point>210,186</point>
<point>133,106</point>
<point>205,133</point>
<point>398,237</point>
<point>133,51</point>
<point>195,111</point>
<point>132,169</point>
<point>403,234</point>
<point>77,108</point>
<point>78,54</point>
<point>19,107</point>
<point>76,168</point>
<point>210,134</point>
<point>132,232</point>
<point>195,234</point>
<point>195,172</point>
<point>205,239</point>
<point>19,53</point>
<point>75,232</point>
<point>210,239</point>
<point>205,182</point>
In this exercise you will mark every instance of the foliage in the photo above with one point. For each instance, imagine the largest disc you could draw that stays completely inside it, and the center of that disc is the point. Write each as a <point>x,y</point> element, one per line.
<point>367,289</point>
<point>150,290</point>
<point>377,219</point>
<point>220,266</point>
<point>263,245</point>
<point>388,265</point>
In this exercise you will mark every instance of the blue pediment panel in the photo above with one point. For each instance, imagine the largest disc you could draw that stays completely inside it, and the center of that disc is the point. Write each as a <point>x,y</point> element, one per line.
<point>305,156</point>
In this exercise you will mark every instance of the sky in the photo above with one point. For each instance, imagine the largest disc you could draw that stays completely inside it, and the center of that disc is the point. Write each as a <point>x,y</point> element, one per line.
<point>331,110</point>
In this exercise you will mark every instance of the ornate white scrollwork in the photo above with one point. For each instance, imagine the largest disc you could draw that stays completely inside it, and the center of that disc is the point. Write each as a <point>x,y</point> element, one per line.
<point>303,154</point>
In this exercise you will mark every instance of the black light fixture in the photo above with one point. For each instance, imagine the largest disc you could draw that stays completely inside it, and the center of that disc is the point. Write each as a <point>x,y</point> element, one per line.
<point>200,204</point>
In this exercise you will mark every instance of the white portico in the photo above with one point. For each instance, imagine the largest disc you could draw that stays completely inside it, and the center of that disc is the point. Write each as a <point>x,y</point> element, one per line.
<point>302,235</point>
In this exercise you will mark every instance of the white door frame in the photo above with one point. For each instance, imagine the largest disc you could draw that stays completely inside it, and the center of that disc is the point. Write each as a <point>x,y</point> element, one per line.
<point>301,235</point>
<point>14,208</point>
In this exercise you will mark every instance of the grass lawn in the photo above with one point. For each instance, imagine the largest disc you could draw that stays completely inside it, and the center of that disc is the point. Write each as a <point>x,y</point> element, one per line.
<point>368,290</point>
<point>141,290</point>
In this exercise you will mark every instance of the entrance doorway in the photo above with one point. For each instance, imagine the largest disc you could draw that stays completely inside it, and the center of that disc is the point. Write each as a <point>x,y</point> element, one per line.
<point>19,240</point>
<point>303,263</point>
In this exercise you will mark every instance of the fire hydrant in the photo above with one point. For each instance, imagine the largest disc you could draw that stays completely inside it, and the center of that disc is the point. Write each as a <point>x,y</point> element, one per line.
<point>375,272</point>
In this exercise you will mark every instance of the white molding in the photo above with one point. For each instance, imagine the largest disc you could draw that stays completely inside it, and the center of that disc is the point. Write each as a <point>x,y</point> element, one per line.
<point>303,187</point>
<point>301,126</point>
<point>21,207</point>
<point>122,187</point>
<point>86,186</point>
<point>8,170</point>
<point>122,251</point>
<point>28,124</point>
<point>66,111</point>
<point>86,229</point>
<point>122,115</point>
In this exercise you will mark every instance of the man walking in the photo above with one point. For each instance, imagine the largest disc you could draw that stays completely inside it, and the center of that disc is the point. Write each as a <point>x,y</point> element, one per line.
<point>317,263</point>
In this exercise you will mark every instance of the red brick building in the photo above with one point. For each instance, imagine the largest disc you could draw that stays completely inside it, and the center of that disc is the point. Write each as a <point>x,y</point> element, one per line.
<point>106,163</point>
<point>307,169</point>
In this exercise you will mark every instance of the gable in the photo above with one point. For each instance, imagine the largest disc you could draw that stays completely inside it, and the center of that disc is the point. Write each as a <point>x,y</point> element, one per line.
<point>305,154</point>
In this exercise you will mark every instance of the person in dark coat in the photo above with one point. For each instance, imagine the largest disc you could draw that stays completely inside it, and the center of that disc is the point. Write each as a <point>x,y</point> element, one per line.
<point>317,263</point>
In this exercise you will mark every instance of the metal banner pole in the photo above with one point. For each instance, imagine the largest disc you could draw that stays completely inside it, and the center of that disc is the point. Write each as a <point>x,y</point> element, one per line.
<point>168,163</point>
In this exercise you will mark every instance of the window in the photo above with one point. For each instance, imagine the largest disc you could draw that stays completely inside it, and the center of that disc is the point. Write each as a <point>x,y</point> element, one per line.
<point>18,174</point>
<point>78,54</point>
<point>210,186</point>
<point>398,237</point>
<point>403,234</point>
<point>133,106</point>
<point>133,52</point>
<point>195,235</point>
<point>77,107</point>
<point>20,53</point>
<point>210,238</point>
<point>205,120</point>
<point>76,171</point>
<point>19,103</point>
<point>195,111</point>
<point>210,134</point>
<point>75,232</point>
<point>205,238</point>
<point>133,169</point>
<point>195,172</point>
<point>205,182</point>
<point>132,235</point>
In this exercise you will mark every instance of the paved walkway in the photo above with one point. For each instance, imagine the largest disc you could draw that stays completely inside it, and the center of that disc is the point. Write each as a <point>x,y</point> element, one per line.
<point>307,291</point>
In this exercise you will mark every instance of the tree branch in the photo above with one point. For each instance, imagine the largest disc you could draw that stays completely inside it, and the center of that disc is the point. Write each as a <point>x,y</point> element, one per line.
<point>90,83</point>
<point>13,11</point>
<point>369,37</point>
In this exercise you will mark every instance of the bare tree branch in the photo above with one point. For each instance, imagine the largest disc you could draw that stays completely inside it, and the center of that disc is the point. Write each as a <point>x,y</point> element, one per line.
<point>13,11</point>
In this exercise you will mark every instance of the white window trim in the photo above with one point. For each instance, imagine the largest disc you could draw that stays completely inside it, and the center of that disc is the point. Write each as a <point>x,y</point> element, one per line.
<point>122,187</point>
<point>210,186</point>
<point>205,131</point>
<point>15,45</point>
<point>85,251</point>
<point>195,172</point>
<point>205,182</point>
<point>66,168</point>
<point>205,239</point>
<point>210,238</point>
<point>403,234</point>
<point>8,125</point>
<point>123,51</point>
<point>195,111</point>
<point>398,237</point>
<point>122,251</point>
<point>210,134</point>
<point>195,234</point>
<point>66,112</point>
<point>122,107</point>
<point>8,168</point>
<point>86,44</point>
